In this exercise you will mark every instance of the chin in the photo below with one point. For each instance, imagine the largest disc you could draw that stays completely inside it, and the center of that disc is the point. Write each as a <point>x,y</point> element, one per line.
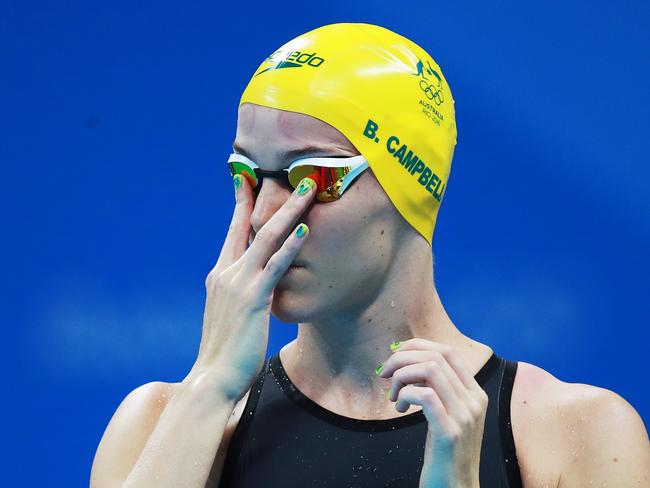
<point>288,306</point>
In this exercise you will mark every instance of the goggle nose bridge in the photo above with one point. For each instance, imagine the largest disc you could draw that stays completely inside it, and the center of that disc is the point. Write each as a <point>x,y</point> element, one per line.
<point>281,174</point>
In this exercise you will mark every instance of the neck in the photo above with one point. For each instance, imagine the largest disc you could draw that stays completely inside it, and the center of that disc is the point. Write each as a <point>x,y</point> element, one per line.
<point>332,361</point>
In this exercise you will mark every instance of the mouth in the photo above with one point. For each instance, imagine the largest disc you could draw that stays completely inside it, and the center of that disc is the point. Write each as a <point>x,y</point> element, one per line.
<point>293,267</point>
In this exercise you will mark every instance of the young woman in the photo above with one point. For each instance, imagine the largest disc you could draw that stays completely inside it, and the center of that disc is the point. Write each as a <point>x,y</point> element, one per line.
<point>332,230</point>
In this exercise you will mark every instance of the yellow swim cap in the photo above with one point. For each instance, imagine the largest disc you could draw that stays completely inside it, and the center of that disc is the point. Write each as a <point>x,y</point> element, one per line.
<point>384,93</point>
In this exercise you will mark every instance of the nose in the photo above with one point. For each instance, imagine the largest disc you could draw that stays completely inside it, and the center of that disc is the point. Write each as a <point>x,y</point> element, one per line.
<point>271,197</point>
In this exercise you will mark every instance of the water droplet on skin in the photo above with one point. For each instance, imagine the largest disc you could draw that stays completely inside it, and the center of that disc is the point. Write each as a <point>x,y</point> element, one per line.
<point>392,303</point>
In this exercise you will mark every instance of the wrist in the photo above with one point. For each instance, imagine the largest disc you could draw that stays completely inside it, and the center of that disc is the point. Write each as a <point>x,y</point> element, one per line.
<point>203,381</point>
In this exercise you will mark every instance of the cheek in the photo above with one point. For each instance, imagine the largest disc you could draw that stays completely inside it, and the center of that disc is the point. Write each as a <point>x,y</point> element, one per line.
<point>345,241</point>
<point>332,228</point>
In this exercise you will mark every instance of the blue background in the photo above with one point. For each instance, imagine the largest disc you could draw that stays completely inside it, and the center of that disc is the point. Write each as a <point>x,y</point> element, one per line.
<point>116,119</point>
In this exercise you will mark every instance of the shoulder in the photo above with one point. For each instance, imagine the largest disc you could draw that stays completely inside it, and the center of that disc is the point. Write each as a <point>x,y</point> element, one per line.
<point>539,388</point>
<point>144,402</point>
<point>589,431</point>
<point>128,431</point>
<point>152,391</point>
<point>140,409</point>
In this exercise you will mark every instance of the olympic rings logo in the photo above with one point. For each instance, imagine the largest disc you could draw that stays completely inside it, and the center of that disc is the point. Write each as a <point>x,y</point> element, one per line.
<point>432,88</point>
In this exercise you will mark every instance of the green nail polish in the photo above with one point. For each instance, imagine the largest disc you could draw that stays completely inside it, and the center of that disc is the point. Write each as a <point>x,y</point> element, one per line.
<point>302,230</point>
<point>395,345</point>
<point>305,185</point>
<point>379,368</point>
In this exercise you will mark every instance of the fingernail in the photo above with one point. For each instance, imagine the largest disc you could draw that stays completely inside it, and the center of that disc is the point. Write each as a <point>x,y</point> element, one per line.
<point>305,185</point>
<point>237,181</point>
<point>302,230</point>
<point>379,368</point>
<point>395,345</point>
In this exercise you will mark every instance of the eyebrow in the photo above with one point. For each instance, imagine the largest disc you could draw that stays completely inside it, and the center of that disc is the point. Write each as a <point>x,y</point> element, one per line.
<point>289,155</point>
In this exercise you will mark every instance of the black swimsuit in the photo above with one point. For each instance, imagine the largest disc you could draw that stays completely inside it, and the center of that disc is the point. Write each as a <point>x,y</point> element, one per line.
<point>284,439</point>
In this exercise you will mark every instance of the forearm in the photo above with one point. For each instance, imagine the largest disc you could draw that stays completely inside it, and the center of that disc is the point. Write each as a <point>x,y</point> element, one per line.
<point>184,443</point>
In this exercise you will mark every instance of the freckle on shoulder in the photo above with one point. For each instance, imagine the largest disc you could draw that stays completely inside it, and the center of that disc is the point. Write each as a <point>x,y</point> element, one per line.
<point>534,385</point>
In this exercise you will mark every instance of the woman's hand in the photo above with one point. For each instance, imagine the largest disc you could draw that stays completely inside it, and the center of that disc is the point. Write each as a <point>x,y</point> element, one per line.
<point>436,377</point>
<point>240,291</point>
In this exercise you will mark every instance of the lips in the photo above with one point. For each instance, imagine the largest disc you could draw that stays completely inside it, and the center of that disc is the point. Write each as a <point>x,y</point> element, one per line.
<point>291,268</point>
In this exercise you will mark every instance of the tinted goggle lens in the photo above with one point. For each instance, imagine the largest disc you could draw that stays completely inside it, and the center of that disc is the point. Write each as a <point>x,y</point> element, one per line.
<point>237,168</point>
<point>331,180</point>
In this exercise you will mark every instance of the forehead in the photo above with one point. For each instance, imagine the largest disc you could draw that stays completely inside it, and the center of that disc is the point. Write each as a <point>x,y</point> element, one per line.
<point>256,121</point>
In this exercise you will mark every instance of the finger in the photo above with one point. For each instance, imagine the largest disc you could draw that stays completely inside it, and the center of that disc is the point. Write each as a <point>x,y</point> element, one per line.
<point>236,240</point>
<point>282,259</point>
<point>454,358</point>
<point>419,344</point>
<point>462,370</point>
<point>274,232</point>
<point>401,359</point>
<point>437,417</point>
<point>434,377</point>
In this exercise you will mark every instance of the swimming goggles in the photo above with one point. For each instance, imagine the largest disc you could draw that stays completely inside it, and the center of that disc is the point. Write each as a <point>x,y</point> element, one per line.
<point>332,175</point>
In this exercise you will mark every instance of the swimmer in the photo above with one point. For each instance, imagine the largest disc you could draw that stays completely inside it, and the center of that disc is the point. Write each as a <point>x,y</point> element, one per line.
<point>341,159</point>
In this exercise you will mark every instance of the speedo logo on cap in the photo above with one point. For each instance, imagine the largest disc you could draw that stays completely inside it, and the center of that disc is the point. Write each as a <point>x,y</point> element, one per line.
<point>294,59</point>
